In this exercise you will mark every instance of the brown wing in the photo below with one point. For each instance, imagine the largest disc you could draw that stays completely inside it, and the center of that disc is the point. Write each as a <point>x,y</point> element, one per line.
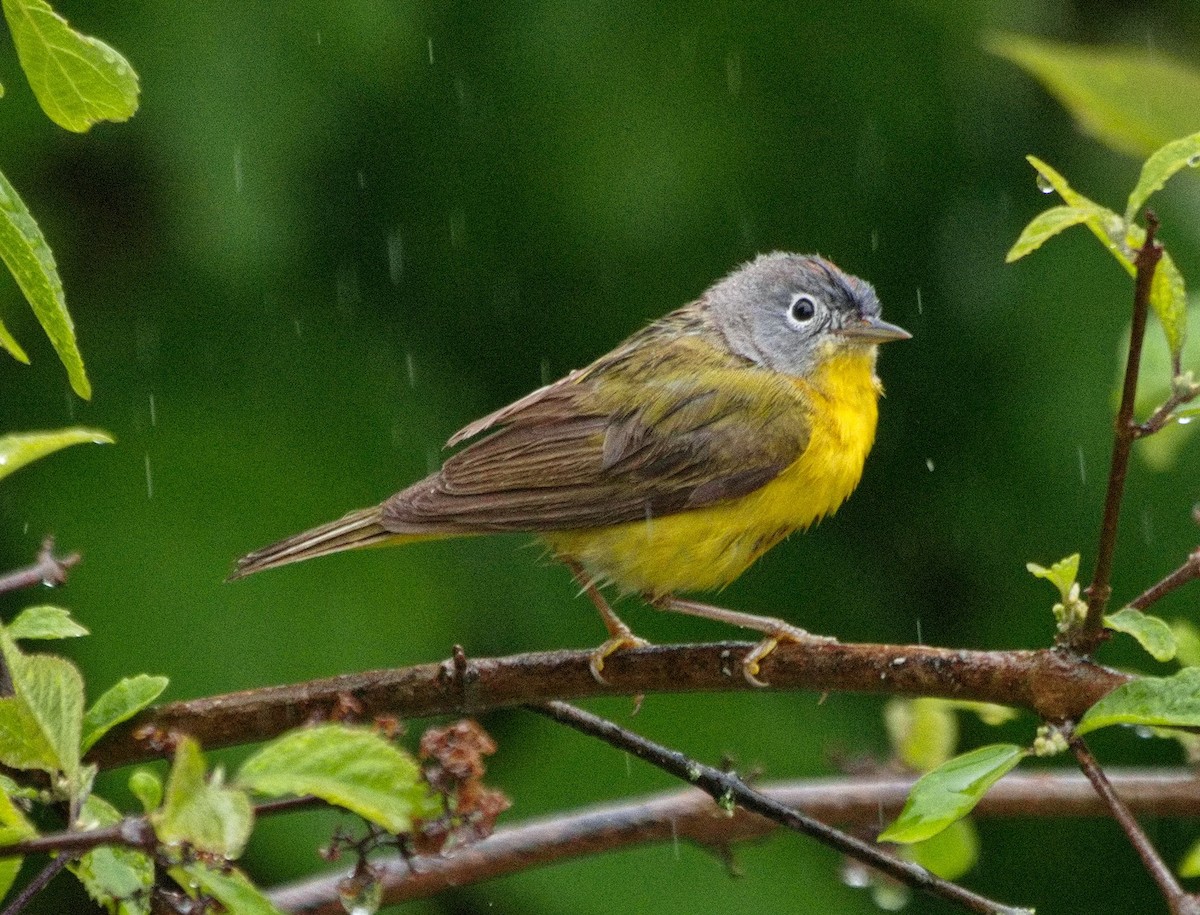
<point>664,424</point>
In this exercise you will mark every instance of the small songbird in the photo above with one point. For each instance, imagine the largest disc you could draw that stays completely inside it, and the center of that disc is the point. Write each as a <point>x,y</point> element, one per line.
<point>673,462</point>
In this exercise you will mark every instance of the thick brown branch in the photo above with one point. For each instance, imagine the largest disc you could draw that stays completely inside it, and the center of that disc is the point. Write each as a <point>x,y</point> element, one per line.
<point>1181,903</point>
<point>1089,635</point>
<point>1053,685</point>
<point>689,815</point>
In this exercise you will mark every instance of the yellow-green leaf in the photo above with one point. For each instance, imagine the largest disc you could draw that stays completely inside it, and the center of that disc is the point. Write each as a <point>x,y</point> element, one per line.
<point>44,622</point>
<point>78,80</point>
<point>1187,642</point>
<point>14,827</point>
<point>351,767</point>
<point>23,448</point>
<point>200,811</point>
<point>1131,99</point>
<point>923,732</point>
<point>1151,633</point>
<point>24,250</point>
<point>1062,574</point>
<point>951,791</point>
<point>231,888</point>
<point>1190,865</point>
<point>9,344</point>
<point>1175,156</point>
<point>1153,701</point>
<point>117,878</point>
<point>1046,225</point>
<point>120,703</point>
<point>950,853</point>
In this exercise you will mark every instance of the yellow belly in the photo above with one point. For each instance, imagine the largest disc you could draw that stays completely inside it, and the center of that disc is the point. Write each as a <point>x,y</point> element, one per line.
<point>710,547</point>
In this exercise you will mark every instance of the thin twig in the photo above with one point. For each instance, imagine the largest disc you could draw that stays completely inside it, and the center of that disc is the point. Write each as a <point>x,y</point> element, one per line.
<point>727,789</point>
<point>1189,571</point>
<point>687,816</point>
<point>48,570</point>
<point>36,885</point>
<point>1181,903</point>
<point>1053,684</point>
<point>1089,634</point>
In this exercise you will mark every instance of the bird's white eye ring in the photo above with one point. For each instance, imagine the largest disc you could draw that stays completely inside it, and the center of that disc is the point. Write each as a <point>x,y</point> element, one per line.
<point>802,309</point>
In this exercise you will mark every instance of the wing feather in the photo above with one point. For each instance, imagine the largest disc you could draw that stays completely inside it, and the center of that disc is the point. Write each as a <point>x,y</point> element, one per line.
<point>675,426</point>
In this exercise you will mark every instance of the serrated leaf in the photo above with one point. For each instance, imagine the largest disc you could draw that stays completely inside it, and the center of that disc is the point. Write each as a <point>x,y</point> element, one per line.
<point>14,827</point>
<point>1155,701</point>
<point>45,714</point>
<point>120,703</point>
<point>1158,169</point>
<point>117,878</point>
<point>78,80</point>
<point>354,768</point>
<point>44,622</point>
<point>202,813</point>
<point>23,448</point>
<point>1132,99</point>
<point>147,788</point>
<point>923,732</point>
<point>1151,633</point>
<point>951,791</point>
<point>1062,574</point>
<point>24,250</point>
<point>1046,225</point>
<point>232,889</point>
<point>949,854</point>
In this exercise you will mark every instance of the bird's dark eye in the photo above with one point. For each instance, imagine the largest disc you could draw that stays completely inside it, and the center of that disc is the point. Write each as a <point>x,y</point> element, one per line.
<point>803,308</point>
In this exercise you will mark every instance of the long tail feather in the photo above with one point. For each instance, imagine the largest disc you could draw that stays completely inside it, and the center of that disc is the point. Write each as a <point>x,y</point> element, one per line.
<point>358,529</point>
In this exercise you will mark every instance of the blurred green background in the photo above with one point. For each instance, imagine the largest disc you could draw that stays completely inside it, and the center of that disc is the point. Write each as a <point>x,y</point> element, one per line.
<point>337,232</point>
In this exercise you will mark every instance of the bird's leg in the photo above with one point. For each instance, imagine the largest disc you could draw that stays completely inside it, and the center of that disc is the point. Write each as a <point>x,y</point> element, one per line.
<point>619,635</point>
<point>775,630</point>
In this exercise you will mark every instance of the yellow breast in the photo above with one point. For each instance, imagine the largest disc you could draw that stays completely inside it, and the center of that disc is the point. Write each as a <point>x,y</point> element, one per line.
<point>710,547</point>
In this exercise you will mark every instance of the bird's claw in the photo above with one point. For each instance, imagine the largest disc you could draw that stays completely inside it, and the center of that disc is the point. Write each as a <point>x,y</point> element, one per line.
<point>783,633</point>
<point>615,644</point>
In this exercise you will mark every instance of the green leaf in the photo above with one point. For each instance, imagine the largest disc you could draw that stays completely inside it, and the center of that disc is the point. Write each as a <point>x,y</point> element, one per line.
<point>120,703</point>
<point>923,732</point>
<point>988,712</point>
<point>14,827</point>
<point>147,788</point>
<point>24,448</point>
<point>117,878</point>
<point>203,813</point>
<point>1046,225</point>
<point>1155,701</point>
<point>44,622</point>
<point>1190,865</point>
<point>350,767</point>
<point>1158,169</point>
<point>232,889</point>
<point>949,854</point>
<point>24,250</point>
<point>951,791</point>
<point>46,711</point>
<point>78,80</point>
<point>1168,294</point>
<point>1187,642</point>
<point>1151,633</point>
<point>1062,574</point>
<point>1131,99</point>
<point>9,343</point>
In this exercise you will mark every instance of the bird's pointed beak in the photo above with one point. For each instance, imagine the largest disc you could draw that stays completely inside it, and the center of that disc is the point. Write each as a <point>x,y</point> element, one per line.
<point>874,330</point>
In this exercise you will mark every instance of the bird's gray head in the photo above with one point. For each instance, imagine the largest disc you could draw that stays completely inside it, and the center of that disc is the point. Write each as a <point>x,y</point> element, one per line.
<point>788,312</point>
